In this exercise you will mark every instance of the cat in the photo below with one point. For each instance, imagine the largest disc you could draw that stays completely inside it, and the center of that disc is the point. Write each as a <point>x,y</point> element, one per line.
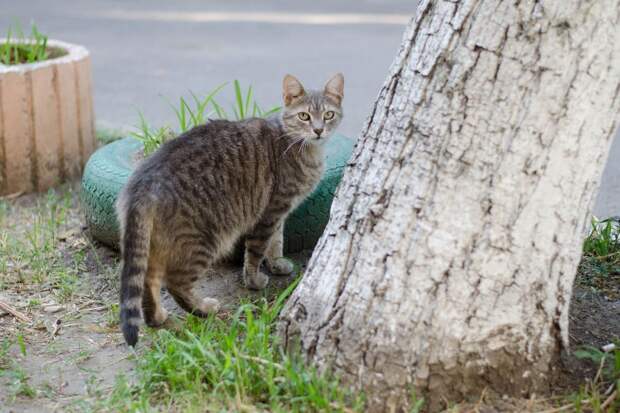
<point>188,204</point>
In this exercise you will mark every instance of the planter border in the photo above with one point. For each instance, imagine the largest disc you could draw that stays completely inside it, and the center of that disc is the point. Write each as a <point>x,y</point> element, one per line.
<point>47,127</point>
<point>73,52</point>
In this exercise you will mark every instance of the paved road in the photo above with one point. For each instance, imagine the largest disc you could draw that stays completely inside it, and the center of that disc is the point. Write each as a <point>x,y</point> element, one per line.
<point>145,49</point>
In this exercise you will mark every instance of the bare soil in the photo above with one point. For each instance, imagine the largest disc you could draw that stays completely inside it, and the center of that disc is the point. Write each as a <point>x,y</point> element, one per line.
<point>73,349</point>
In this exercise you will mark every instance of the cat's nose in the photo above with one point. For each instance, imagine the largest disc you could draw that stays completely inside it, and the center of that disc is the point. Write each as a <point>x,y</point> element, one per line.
<point>318,131</point>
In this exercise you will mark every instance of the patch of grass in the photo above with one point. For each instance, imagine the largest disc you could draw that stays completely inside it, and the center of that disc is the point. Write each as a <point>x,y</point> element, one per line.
<point>19,49</point>
<point>33,303</point>
<point>609,362</point>
<point>190,114</point>
<point>108,135</point>
<point>187,117</point>
<point>230,364</point>
<point>151,138</point>
<point>81,356</point>
<point>416,403</point>
<point>17,379</point>
<point>245,106</point>
<point>18,383</point>
<point>32,254</point>
<point>604,240</point>
<point>600,264</point>
<point>602,393</point>
<point>5,357</point>
<point>112,315</point>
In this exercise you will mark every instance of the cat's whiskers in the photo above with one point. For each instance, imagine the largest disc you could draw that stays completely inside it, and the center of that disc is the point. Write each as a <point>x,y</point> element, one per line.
<point>284,135</point>
<point>293,144</point>
<point>302,147</point>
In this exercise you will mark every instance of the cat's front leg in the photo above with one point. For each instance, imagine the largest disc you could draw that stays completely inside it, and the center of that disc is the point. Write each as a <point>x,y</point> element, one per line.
<point>257,243</point>
<point>255,248</point>
<point>276,262</point>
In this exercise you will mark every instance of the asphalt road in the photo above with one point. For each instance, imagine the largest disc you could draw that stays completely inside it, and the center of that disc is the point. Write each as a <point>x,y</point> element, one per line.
<point>146,51</point>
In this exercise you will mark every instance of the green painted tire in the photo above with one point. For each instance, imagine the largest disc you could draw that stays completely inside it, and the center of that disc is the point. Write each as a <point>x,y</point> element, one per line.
<point>109,168</point>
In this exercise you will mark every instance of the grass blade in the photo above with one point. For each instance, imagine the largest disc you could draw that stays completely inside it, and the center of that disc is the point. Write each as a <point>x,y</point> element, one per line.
<point>221,113</point>
<point>248,98</point>
<point>239,98</point>
<point>271,111</point>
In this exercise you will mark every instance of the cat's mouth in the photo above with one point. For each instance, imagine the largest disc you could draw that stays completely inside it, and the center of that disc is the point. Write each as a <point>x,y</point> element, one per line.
<point>319,139</point>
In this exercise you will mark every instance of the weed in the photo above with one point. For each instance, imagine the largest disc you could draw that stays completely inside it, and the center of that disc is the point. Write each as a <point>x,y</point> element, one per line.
<point>227,364</point>
<point>18,379</point>
<point>188,118</point>
<point>151,138</point>
<point>602,394</point>
<point>5,357</point>
<point>81,357</point>
<point>31,253</point>
<point>20,49</point>
<point>604,240</point>
<point>599,269</point>
<point>18,383</point>
<point>21,344</point>
<point>609,362</point>
<point>190,114</point>
<point>244,103</point>
<point>108,135</point>
<point>416,403</point>
<point>33,303</point>
<point>112,315</point>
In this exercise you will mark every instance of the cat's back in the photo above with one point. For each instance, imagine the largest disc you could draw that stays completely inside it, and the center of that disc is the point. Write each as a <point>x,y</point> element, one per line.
<point>211,160</point>
<point>214,143</point>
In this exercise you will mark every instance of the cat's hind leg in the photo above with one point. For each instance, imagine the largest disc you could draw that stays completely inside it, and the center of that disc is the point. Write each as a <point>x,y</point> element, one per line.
<point>180,283</point>
<point>154,313</point>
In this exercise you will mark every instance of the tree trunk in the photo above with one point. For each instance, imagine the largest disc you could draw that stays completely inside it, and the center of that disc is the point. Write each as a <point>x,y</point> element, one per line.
<point>448,261</point>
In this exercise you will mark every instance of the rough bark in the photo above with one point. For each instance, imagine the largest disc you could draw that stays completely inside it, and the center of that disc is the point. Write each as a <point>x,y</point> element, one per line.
<point>449,258</point>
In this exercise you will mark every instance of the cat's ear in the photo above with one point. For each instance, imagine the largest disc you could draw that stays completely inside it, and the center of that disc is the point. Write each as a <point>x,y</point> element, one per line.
<point>334,88</point>
<point>291,89</point>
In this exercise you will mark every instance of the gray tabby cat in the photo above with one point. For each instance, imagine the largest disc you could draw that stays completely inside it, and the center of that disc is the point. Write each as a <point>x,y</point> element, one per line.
<point>187,205</point>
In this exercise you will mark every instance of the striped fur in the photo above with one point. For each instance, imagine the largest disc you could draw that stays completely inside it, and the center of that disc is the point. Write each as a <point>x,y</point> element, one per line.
<point>188,204</point>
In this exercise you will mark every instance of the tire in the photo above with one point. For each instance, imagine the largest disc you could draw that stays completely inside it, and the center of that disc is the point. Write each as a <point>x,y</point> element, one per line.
<point>109,168</point>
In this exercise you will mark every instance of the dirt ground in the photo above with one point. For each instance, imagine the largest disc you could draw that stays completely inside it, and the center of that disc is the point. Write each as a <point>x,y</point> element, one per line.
<point>69,348</point>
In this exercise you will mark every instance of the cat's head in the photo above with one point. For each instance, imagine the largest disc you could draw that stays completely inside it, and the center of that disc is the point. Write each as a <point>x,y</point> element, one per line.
<point>312,115</point>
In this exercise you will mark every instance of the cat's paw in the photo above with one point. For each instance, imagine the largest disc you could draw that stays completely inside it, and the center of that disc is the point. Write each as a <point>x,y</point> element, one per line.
<point>209,305</point>
<point>157,319</point>
<point>257,281</point>
<point>281,266</point>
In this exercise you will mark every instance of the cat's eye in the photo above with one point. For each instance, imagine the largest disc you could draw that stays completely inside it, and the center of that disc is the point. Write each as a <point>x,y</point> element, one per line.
<point>328,115</point>
<point>303,116</point>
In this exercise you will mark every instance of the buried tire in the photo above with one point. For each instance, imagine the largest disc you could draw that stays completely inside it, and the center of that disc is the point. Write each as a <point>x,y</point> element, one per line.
<point>109,168</point>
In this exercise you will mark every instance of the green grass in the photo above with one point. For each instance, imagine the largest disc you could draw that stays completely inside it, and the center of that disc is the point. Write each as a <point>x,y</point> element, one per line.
<point>609,362</point>
<point>112,316</point>
<point>599,269</point>
<point>229,364</point>
<point>107,135</point>
<point>33,254</point>
<point>602,393</point>
<point>17,382</point>
<point>151,138</point>
<point>19,49</point>
<point>194,112</point>
<point>604,240</point>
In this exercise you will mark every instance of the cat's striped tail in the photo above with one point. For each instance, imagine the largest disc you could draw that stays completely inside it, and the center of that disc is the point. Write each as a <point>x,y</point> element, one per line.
<point>137,224</point>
